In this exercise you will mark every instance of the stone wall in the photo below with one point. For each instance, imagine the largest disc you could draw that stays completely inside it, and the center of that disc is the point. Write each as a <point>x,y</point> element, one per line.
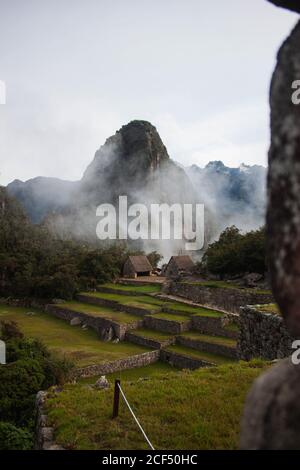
<point>212,326</point>
<point>213,348</point>
<point>224,299</point>
<point>167,326</point>
<point>131,362</point>
<point>100,325</point>
<point>263,335</point>
<point>181,361</point>
<point>112,304</point>
<point>44,433</point>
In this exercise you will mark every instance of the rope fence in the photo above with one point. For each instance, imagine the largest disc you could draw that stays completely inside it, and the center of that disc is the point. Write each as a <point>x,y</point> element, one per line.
<point>118,390</point>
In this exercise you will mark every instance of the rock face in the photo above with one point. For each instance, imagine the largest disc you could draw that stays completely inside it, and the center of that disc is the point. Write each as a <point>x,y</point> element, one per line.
<point>272,414</point>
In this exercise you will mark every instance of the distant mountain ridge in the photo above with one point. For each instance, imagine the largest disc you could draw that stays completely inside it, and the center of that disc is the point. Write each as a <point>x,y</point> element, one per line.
<point>135,162</point>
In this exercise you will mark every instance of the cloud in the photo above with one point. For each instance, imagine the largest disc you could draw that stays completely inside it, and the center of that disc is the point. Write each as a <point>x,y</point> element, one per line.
<point>233,136</point>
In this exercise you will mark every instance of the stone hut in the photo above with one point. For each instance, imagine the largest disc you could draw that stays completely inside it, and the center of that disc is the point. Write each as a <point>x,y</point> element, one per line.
<point>179,265</point>
<point>137,266</point>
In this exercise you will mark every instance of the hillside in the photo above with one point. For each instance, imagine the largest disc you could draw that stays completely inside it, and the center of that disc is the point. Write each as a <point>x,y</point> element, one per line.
<point>166,407</point>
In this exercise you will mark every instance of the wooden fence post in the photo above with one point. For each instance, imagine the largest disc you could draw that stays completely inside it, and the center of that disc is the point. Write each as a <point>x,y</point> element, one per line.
<point>116,399</point>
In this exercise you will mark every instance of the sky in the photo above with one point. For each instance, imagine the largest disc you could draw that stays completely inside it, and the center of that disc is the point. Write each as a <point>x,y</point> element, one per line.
<point>77,70</point>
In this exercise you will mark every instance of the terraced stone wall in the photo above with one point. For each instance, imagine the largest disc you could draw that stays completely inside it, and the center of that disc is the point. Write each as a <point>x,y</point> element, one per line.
<point>168,326</point>
<point>180,361</point>
<point>213,348</point>
<point>225,299</point>
<point>112,304</point>
<point>96,323</point>
<point>212,326</point>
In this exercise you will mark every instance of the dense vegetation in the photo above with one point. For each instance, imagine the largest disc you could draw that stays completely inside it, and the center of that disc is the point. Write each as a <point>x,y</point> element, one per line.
<point>30,367</point>
<point>35,264</point>
<point>236,253</point>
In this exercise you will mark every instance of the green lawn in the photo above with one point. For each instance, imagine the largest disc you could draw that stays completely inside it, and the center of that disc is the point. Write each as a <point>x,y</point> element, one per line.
<point>210,357</point>
<point>210,339</point>
<point>146,289</point>
<point>153,370</point>
<point>83,347</point>
<point>183,410</point>
<point>99,311</point>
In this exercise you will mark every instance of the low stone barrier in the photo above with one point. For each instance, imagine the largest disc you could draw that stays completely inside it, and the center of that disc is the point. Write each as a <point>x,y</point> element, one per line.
<point>167,326</point>
<point>131,362</point>
<point>263,335</point>
<point>99,324</point>
<point>148,342</point>
<point>214,348</point>
<point>44,438</point>
<point>113,304</point>
<point>224,299</point>
<point>181,361</point>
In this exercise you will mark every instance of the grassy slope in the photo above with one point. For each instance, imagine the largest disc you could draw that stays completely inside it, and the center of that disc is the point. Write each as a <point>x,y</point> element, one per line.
<point>81,346</point>
<point>184,410</point>
<point>202,311</point>
<point>269,308</point>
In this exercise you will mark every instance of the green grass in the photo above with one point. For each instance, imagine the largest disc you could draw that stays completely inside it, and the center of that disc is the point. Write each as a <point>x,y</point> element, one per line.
<point>99,311</point>
<point>269,308</point>
<point>146,289</point>
<point>202,311</point>
<point>146,302</point>
<point>183,410</point>
<point>210,339</point>
<point>152,370</point>
<point>209,357</point>
<point>83,347</point>
<point>226,285</point>
<point>152,334</point>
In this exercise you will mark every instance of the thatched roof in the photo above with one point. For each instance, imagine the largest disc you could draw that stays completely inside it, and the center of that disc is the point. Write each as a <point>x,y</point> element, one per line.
<point>140,263</point>
<point>184,262</point>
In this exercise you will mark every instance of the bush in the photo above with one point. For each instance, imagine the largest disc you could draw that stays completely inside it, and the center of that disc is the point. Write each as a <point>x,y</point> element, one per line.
<point>14,438</point>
